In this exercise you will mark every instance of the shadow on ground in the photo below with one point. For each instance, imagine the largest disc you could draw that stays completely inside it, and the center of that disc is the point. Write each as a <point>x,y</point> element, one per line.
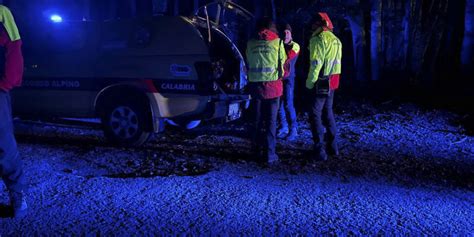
<point>191,153</point>
<point>5,211</point>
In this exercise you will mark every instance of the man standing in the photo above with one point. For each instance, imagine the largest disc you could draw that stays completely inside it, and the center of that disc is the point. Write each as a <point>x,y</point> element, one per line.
<point>266,57</point>
<point>323,79</point>
<point>287,108</point>
<point>11,168</point>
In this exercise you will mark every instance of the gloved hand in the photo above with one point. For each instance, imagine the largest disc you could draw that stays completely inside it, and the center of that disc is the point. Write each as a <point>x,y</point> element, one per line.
<point>309,84</point>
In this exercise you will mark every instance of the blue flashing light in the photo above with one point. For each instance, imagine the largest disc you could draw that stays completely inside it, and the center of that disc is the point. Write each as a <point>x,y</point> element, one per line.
<point>56,18</point>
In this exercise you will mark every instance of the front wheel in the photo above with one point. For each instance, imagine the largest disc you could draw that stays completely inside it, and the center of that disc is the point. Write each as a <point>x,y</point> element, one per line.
<point>125,123</point>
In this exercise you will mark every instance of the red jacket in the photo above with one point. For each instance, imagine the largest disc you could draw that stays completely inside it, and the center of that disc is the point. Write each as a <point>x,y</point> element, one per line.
<point>267,90</point>
<point>13,72</point>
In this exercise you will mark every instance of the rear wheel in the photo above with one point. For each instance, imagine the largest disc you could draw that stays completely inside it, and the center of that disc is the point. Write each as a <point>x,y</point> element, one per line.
<point>125,123</point>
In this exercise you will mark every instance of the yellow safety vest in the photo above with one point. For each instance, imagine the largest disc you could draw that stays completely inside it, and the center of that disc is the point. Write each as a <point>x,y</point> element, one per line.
<point>6,18</point>
<point>325,53</point>
<point>263,59</point>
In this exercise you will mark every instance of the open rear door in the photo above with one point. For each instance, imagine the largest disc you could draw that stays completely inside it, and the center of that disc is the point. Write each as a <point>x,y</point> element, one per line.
<point>218,12</point>
<point>223,15</point>
<point>221,24</point>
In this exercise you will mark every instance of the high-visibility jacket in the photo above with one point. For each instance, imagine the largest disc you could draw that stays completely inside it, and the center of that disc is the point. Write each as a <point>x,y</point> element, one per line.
<point>6,18</point>
<point>11,63</point>
<point>295,47</point>
<point>263,58</point>
<point>325,56</point>
<point>292,52</point>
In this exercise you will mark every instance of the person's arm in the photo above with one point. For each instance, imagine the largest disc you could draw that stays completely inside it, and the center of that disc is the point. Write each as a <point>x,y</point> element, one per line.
<point>3,41</point>
<point>294,50</point>
<point>339,57</point>
<point>4,38</point>
<point>14,63</point>
<point>10,39</point>
<point>316,55</point>
<point>282,58</point>
<point>13,72</point>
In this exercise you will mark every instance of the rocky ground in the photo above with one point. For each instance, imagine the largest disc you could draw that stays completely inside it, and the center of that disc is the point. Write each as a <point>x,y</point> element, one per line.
<point>403,169</point>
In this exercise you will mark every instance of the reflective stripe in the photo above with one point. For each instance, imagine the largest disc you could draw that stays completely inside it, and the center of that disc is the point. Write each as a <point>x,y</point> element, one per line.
<point>335,62</point>
<point>315,63</point>
<point>263,70</point>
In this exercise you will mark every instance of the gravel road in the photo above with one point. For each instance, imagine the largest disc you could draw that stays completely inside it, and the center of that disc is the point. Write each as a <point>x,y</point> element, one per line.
<point>403,170</point>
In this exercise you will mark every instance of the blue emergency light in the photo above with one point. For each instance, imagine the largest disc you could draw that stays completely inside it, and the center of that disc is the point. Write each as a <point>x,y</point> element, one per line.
<point>56,18</point>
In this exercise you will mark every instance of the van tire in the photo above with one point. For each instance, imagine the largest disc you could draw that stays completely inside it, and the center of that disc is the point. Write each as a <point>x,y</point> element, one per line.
<point>125,123</point>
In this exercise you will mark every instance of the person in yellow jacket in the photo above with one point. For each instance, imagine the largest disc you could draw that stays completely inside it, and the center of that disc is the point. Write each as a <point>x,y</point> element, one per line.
<point>266,57</point>
<point>288,122</point>
<point>323,79</point>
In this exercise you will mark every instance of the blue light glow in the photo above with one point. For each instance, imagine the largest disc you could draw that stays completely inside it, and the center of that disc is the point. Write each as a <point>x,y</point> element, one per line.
<point>56,18</point>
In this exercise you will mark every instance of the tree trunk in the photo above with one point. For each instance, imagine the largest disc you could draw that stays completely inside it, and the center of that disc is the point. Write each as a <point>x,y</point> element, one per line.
<point>407,28</point>
<point>259,9</point>
<point>274,10</point>
<point>160,6</point>
<point>416,41</point>
<point>144,8</point>
<point>467,53</point>
<point>176,7</point>
<point>376,38</point>
<point>356,22</point>
<point>434,32</point>
<point>196,5</point>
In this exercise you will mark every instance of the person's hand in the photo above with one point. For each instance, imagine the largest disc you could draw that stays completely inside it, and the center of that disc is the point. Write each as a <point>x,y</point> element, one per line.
<point>309,84</point>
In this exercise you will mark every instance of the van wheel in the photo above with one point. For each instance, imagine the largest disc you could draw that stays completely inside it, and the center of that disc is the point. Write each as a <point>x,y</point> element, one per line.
<point>125,123</point>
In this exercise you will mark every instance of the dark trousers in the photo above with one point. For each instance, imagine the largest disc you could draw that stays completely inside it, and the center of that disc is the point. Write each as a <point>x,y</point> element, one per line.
<point>265,125</point>
<point>11,167</point>
<point>322,117</point>
<point>287,107</point>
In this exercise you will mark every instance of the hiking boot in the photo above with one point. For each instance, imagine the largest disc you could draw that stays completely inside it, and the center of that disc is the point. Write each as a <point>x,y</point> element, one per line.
<point>18,203</point>
<point>333,152</point>
<point>282,133</point>
<point>273,159</point>
<point>293,135</point>
<point>319,154</point>
<point>332,149</point>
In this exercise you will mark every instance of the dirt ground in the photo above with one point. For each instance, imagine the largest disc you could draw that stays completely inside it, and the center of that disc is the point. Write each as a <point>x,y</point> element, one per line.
<point>403,170</point>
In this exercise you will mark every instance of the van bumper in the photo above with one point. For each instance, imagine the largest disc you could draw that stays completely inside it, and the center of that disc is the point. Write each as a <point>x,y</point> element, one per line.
<point>229,107</point>
<point>195,107</point>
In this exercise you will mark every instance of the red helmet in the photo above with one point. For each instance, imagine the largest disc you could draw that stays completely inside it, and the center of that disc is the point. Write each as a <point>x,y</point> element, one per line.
<point>327,20</point>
